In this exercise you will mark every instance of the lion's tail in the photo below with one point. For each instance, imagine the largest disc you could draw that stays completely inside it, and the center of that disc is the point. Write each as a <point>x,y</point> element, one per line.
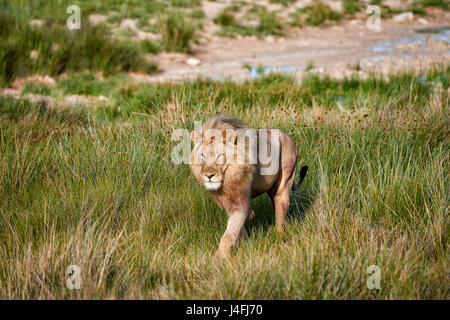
<point>303,172</point>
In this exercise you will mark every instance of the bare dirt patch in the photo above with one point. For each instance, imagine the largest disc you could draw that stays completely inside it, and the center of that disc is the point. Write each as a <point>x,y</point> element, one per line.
<point>337,50</point>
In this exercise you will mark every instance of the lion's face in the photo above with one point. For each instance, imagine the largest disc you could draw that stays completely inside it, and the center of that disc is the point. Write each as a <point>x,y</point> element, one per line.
<point>211,158</point>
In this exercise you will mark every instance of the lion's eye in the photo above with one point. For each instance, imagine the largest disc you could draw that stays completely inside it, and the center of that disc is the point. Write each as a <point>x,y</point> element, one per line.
<point>219,156</point>
<point>202,156</point>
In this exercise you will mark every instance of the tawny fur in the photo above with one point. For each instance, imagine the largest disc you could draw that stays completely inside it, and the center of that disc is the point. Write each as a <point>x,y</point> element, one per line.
<point>239,183</point>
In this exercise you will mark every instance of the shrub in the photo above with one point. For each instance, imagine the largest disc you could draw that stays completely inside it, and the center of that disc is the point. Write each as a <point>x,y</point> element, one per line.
<point>319,12</point>
<point>225,18</point>
<point>269,23</point>
<point>351,6</point>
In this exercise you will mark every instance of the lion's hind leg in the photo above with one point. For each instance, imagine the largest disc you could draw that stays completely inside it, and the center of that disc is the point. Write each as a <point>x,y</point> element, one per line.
<point>281,208</point>
<point>283,193</point>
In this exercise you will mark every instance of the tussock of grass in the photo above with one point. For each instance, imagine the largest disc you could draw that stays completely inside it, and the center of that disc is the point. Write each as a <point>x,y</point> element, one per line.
<point>88,84</point>
<point>177,33</point>
<point>270,24</point>
<point>351,6</point>
<point>148,46</point>
<point>310,66</point>
<point>283,2</point>
<point>96,188</point>
<point>41,89</point>
<point>185,3</point>
<point>319,12</point>
<point>316,14</point>
<point>225,18</point>
<point>58,50</point>
<point>265,23</point>
<point>54,49</point>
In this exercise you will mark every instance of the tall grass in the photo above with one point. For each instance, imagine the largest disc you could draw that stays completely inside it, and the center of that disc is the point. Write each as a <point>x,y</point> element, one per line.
<point>54,49</point>
<point>320,12</point>
<point>95,187</point>
<point>351,6</point>
<point>257,22</point>
<point>225,18</point>
<point>177,33</point>
<point>315,14</point>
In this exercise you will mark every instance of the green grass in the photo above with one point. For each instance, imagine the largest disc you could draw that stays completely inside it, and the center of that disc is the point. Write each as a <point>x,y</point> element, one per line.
<point>225,18</point>
<point>319,12</point>
<point>88,84</point>
<point>41,89</point>
<point>356,66</point>
<point>351,6</point>
<point>266,23</point>
<point>58,49</point>
<point>310,66</point>
<point>85,49</point>
<point>54,49</point>
<point>177,33</point>
<point>79,84</point>
<point>283,2</point>
<point>418,7</point>
<point>316,14</point>
<point>148,46</point>
<point>95,187</point>
<point>442,4</point>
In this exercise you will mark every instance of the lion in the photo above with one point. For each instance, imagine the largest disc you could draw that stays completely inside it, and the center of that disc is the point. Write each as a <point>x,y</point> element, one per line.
<point>233,175</point>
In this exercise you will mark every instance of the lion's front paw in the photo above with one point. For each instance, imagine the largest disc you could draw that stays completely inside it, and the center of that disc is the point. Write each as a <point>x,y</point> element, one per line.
<point>222,254</point>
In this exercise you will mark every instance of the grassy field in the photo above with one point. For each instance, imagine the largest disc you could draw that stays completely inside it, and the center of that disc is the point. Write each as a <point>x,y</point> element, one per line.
<point>34,38</point>
<point>94,186</point>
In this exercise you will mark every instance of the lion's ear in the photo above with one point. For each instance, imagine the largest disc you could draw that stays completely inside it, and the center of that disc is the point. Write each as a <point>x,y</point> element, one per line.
<point>231,136</point>
<point>194,134</point>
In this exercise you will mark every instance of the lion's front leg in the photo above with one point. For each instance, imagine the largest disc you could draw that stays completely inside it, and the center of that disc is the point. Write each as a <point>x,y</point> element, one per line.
<point>234,229</point>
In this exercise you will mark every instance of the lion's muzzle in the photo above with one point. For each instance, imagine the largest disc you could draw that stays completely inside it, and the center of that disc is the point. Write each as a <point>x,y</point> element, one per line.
<point>212,186</point>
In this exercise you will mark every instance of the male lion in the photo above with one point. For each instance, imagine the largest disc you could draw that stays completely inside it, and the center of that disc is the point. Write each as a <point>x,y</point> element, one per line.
<point>233,175</point>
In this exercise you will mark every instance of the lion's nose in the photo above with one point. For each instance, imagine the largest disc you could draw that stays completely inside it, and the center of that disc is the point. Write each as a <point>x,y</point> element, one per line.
<point>210,175</point>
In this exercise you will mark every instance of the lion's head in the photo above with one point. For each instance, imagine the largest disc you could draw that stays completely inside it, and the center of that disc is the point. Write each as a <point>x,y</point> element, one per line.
<point>214,150</point>
<point>211,158</point>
